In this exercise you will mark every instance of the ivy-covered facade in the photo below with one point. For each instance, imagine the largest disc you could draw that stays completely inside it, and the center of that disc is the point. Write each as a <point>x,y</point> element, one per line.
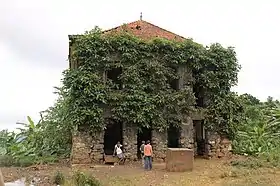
<point>141,82</point>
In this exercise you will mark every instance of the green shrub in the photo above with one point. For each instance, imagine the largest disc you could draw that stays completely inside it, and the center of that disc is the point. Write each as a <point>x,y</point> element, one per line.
<point>34,143</point>
<point>258,134</point>
<point>82,179</point>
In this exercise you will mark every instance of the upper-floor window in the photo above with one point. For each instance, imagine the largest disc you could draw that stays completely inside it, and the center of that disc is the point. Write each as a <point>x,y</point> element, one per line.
<point>174,83</point>
<point>114,75</point>
<point>198,92</point>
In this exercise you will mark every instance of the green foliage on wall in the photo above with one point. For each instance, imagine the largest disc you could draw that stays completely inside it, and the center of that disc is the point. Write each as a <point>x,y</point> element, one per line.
<point>144,97</point>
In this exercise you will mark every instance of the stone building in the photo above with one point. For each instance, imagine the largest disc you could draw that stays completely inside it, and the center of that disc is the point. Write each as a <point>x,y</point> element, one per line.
<point>88,148</point>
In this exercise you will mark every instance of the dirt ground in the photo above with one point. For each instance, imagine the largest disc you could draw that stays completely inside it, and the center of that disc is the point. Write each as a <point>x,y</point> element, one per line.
<point>206,172</point>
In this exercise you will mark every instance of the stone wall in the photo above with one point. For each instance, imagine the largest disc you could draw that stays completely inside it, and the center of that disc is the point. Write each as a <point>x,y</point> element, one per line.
<point>80,148</point>
<point>159,143</point>
<point>218,146</point>
<point>130,142</point>
<point>86,148</point>
<point>187,134</point>
<point>160,140</point>
<point>97,147</point>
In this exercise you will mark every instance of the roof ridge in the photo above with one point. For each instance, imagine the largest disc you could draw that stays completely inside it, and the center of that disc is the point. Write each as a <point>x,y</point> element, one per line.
<point>164,29</point>
<point>143,22</point>
<point>119,26</point>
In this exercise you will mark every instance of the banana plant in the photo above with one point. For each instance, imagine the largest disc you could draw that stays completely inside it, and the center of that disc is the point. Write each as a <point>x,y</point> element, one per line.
<point>260,133</point>
<point>26,139</point>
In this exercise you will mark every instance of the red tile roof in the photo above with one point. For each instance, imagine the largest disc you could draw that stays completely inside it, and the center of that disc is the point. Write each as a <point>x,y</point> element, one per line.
<point>146,30</point>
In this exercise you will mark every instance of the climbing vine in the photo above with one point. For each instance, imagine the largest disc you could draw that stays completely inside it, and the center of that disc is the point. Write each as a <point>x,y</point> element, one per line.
<point>216,73</point>
<point>142,94</point>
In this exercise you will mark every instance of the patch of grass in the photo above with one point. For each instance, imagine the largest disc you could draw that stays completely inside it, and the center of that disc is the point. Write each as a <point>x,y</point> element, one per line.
<point>121,181</point>
<point>82,179</point>
<point>235,173</point>
<point>25,161</point>
<point>247,184</point>
<point>227,174</point>
<point>262,161</point>
<point>250,181</point>
<point>47,159</point>
<point>58,178</point>
<point>272,158</point>
<point>250,163</point>
<point>7,161</point>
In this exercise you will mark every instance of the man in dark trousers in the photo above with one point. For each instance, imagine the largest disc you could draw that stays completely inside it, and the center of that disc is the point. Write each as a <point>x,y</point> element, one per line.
<point>142,152</point>
<point>148,152</point>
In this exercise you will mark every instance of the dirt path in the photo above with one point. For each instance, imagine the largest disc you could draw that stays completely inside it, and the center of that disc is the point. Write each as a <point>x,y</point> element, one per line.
<point>206,172</point>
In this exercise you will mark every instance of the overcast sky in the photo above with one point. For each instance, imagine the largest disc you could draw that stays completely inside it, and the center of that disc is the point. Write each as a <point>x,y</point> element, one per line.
<point>34,41</point>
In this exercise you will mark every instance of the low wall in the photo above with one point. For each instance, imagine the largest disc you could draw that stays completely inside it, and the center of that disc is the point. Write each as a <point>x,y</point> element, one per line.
<point>219,146</point>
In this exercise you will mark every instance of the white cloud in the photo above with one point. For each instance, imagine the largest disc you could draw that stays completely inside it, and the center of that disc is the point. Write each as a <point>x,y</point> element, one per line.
<point>34,41</point>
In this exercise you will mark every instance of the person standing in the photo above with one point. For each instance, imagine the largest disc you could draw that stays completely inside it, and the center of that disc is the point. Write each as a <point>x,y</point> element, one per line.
<point>142,152</point>
<point>148,152</point>
<point>119,152</point>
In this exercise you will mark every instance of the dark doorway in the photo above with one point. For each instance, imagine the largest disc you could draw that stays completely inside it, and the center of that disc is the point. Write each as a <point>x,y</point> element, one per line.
<point>113,134</point>
<point>199,137</point>
<point>143,134</point>
<point>173,136</point>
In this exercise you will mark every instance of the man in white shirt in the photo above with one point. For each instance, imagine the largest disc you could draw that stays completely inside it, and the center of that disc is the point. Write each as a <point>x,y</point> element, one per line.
<point>119,152</point>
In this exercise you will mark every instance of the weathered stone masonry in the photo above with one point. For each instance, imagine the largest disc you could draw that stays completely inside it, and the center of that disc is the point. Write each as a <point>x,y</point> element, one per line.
<point>218,146</point>
<point>130,141</point>
<point>159,143</point>
<point>186,136</point>
<point>88,148</point>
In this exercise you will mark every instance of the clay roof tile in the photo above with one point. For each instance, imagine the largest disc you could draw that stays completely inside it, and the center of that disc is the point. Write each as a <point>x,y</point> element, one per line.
<point>144,30</point>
